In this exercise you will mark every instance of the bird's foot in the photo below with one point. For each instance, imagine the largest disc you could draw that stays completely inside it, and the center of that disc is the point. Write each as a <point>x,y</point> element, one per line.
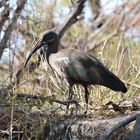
<point>86,109</point>
<point>72,108</point>
<point>85,112</point>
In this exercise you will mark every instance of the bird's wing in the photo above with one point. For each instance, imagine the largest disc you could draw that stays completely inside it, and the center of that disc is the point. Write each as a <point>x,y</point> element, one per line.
<point>78,66</point>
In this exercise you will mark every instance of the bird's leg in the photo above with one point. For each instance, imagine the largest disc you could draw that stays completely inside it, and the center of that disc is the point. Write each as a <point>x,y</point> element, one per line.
<point>71,100</point>
<point>86,98</point>
<point>70,93</point>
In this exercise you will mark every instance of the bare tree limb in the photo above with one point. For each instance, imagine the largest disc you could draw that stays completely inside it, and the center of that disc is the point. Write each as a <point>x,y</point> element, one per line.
<point>21,4</point>
<point>123,123</point>
<point>73,18</point>
<point>35,97</point>
<point>2,2</point>
<point>135,135</point>
<point>96,7</point>
<point>4,14</point>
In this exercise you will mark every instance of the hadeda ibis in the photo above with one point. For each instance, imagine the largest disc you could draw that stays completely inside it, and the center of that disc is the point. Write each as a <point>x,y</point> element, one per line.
<point>77,67</point>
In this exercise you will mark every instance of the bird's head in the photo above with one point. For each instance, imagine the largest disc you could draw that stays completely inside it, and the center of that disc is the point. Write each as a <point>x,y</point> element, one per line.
<point>49,39</point>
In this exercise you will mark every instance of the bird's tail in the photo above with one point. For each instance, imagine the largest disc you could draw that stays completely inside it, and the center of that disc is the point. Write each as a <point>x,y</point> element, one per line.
<point>111,81</point>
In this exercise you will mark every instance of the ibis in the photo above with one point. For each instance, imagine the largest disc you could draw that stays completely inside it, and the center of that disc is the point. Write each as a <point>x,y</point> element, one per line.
<point>76,67</point>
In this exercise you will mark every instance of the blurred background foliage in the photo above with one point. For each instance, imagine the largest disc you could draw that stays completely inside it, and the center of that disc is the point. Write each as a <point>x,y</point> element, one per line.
<point>109,30</point>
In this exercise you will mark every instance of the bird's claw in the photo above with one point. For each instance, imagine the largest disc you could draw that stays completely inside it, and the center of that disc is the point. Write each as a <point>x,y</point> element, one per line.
<point>76,103</point>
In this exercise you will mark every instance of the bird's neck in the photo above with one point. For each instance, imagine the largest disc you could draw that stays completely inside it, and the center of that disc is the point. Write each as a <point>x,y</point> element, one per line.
<point>52,49</point>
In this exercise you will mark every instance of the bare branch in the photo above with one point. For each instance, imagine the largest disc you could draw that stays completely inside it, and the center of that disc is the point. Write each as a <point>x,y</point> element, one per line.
<point>73,18</point>
<point>133,85</point>
<point>4,14</point>
<point>123,123</point>
<point>21,4</point>
<point>35,97</point>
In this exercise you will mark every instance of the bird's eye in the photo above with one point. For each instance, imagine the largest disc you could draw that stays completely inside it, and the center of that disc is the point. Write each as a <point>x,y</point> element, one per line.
<point>43,43</point>
<point>50,39</point>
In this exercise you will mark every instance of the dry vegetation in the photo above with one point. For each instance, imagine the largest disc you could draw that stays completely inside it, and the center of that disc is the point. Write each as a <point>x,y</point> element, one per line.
<point>111,38</point>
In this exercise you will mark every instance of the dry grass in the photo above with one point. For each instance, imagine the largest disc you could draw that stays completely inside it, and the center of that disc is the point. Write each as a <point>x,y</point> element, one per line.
<point>27,117</point>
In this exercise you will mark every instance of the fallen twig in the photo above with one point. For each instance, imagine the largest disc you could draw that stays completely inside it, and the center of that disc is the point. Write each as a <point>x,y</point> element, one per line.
<point>133,84</point>
<point>35,97</point>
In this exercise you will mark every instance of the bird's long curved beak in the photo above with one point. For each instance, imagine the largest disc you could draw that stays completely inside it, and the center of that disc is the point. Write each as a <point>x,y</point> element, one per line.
<point>38,45</point>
